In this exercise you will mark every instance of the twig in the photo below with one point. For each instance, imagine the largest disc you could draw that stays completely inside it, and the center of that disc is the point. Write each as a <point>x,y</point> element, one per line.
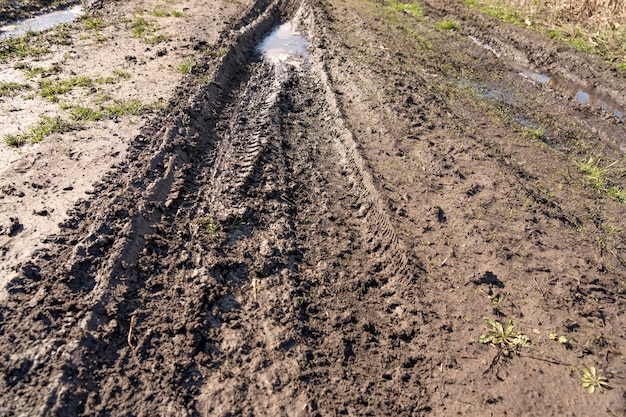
<point>549,360</point>
<point>133,321</point>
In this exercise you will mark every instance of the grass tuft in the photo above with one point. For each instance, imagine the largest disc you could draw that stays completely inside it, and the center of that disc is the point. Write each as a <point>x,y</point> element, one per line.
<point>20,47</point>
<point>8,88</point>
<point>186,66</point>
<point>46,127</point>
<point>447,24</point>
<point>599,177</point>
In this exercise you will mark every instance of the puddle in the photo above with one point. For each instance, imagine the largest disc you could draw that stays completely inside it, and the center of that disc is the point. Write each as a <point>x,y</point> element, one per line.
<point>577,92</point>
<point>40,23</point>
<point>285,45</point>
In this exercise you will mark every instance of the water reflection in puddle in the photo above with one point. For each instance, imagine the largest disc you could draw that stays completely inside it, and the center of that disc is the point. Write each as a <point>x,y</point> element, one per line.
<point>285,45</point>
<point>40,23</point>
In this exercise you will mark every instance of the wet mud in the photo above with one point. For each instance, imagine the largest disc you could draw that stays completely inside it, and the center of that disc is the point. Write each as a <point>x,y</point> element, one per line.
<point>319,223</point>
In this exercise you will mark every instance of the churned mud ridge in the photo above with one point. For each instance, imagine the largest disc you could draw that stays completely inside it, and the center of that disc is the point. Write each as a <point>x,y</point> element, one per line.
<point>194,254</point>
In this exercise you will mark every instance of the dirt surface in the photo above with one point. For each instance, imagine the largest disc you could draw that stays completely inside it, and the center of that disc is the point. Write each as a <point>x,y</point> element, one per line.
<point>318,236</point>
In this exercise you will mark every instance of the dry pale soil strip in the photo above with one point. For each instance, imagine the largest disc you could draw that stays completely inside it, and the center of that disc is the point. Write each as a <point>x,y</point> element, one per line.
<point>39,183</point>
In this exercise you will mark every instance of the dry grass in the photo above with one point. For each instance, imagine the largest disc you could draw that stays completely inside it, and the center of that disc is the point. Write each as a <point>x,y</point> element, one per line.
<point>598,11</point>
<point>592,26</point>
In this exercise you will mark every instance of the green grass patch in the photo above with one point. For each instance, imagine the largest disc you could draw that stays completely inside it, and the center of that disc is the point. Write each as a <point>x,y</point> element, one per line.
<point>608,41</point>
<point>32,72</point>
<point>46,127</point>
<point>126,107</point>
<point>600,177</point>
<point>59,36</point>
<point>8,88</point>
<point>447,24</point>
<point>82,113</point>
<point>533,133</point>
<point>93,23</point>
<point>118,108</point>
<point>155,39</point>
<point>411,8</point>
<point>159,13</point>
<point>21,47</point>
<point>142,27</point>
<point>497,9</point>
<point>164,13</point>
<point>51,90</point>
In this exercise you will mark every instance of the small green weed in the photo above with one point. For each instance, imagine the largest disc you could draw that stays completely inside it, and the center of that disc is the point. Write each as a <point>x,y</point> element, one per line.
<point>142,27</point>
<point>8,88</point>
<point>561,339</point>
<point>59,36</point>
<point>210,226</point>
<point>159,13</point>
<point>592,380</point>
<point>599,177</point>
<point>447,24</point>
<point>503,337</point>
<point>617,193</point>
<point>237,224</point>
<point>155,39</point>
<point>51,90</point>
<point>121,108</point>
<point>533,133</point>
<point>216,54</point>
<point>498,10</point>
<point>186,66</point>
<point>32,72</point>
<point>121,74</point>
<point>176,13</point>
<point>92,23</point>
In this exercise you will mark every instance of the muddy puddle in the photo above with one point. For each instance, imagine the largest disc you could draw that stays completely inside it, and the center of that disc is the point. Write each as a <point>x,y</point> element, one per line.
<point>40,23</point>
<point>285,45</point>
<point>576,92</point>
<point>570,89</point>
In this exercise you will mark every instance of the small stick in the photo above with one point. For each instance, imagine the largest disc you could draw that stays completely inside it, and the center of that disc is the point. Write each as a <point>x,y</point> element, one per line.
<point>133,321</point>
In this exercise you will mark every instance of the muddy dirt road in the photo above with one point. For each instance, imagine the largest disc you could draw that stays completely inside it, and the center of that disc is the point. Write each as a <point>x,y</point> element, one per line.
<point>323,229</point>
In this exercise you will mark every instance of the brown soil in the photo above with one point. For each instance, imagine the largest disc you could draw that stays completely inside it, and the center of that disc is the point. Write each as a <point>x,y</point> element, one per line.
<point>324,239</point>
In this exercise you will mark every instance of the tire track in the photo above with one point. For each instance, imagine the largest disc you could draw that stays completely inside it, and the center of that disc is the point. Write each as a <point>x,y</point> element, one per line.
<point>384,240</point>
